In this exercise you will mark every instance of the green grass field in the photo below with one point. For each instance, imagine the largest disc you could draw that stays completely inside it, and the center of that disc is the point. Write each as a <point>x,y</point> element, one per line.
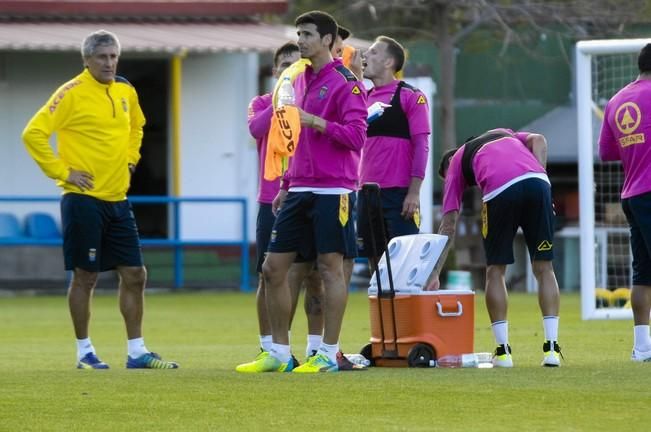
<point>597,388</point>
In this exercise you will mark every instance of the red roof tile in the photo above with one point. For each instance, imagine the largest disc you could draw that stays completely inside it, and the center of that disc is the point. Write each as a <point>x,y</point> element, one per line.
<point>147,37</point>
<point>152,37</point>
<point>130,8</point>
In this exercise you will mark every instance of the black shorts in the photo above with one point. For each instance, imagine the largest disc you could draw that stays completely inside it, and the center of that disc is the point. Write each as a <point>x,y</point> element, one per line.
<point>638,213</point>
<point>311,224</point>
<point>98,235</point>
<point>395,225</point>
<point>526,204</point>
<point>264,224</point>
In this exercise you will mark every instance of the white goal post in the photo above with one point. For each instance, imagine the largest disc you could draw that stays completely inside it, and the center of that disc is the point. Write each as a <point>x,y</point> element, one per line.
<point>602,68</point>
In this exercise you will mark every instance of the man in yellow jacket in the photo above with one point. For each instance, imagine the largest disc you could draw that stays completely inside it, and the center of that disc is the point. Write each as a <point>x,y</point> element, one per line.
<point>98,122</point>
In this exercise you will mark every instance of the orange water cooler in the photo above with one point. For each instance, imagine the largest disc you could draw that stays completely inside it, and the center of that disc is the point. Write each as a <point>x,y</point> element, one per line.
<point>410,326</point>
<point>428,325</point>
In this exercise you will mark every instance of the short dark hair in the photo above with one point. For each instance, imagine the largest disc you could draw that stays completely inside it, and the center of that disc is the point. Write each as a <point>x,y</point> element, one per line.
<point>343,32</point>
<point>445,162</point>
<point>285,49</point>
<point>644,59</point>
<point>395,50</point>
<point>324,22</point>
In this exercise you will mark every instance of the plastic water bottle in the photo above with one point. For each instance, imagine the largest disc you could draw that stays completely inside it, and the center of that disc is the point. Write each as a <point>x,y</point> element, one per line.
<point>375,111</point>
<point>358,359</point>
<point>286,94</point>
<point>482,360</point>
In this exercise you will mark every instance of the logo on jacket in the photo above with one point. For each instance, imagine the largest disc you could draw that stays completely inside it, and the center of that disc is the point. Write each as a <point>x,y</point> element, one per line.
<point>356,90</point>
<point>627,118</point>
<point>125,107</point>
<point>322,92</point>
<point>421,100</point>
<point>57,99</point>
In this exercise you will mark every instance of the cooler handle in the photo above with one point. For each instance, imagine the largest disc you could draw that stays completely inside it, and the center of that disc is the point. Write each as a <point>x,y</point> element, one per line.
<point>459,311</point>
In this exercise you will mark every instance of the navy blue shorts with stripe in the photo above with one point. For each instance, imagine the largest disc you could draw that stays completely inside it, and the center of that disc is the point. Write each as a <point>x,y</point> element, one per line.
<point>638,213</point>
<point>99,235</point>
<point>526,204</point>
<point>312,221</point>
<point>395,225</point>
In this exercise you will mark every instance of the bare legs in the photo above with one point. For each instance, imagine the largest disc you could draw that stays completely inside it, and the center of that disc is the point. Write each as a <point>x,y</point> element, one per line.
<point>641,304</point>
<point>132,298</point>
<point>131,295</point>
<point>80,293</point>
<point>496,295</point>
<point>548,292</point>
<point>336,295</point>
<point>281,300</point>
<point>278,295</point>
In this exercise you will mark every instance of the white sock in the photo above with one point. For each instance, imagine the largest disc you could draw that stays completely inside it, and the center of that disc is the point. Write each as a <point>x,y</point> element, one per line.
<point>550,325</point>
<point>281,352</point>
<point>501,332</point>
<point>136,347</point>
<point>641,338</point>
<point>313,343</point>
<point>329,350</point>
<point>265,342</point>
<point>84,346</point>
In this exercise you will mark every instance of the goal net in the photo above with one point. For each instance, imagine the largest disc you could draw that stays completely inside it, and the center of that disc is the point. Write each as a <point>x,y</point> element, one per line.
<point>602,68</point>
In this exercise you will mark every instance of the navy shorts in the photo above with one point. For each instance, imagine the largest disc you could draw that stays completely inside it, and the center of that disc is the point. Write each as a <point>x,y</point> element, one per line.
<point>526,204</point>
<point>311,224</point>
<point>264,224</point>
<point>98,235</point>
<point>638,213</point>
<point>395,225</point>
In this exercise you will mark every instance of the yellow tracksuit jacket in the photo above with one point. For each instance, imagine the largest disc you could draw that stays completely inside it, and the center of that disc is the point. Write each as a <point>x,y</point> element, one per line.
<point>99,130</point>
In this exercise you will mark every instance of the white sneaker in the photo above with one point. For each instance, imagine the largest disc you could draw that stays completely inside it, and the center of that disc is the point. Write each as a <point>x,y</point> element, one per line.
<point>502,357</point>
<point>641,356</point>
<point>552,354</point>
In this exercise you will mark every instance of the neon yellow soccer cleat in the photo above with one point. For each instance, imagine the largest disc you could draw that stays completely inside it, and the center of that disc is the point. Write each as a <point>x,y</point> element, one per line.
<point>502,357</point>
<point>264,362</point>
<point>317,363</point>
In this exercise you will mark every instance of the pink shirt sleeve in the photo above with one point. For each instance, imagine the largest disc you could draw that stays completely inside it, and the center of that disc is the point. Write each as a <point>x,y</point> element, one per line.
<point>455,183</point>
<point>419,118</point>
<point>420,145</point>
<point>351,133</point>
<point>417,112</point>
<point>259,116</point>
<point>608,149</point>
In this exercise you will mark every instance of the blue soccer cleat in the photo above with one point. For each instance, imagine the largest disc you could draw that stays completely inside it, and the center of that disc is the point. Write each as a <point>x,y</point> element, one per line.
<point>150,360</point>
<point>90,361</point>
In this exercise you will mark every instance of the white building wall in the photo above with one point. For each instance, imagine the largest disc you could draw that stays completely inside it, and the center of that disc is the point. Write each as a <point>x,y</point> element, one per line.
<point>218,156</point>
<point>26,82</point>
